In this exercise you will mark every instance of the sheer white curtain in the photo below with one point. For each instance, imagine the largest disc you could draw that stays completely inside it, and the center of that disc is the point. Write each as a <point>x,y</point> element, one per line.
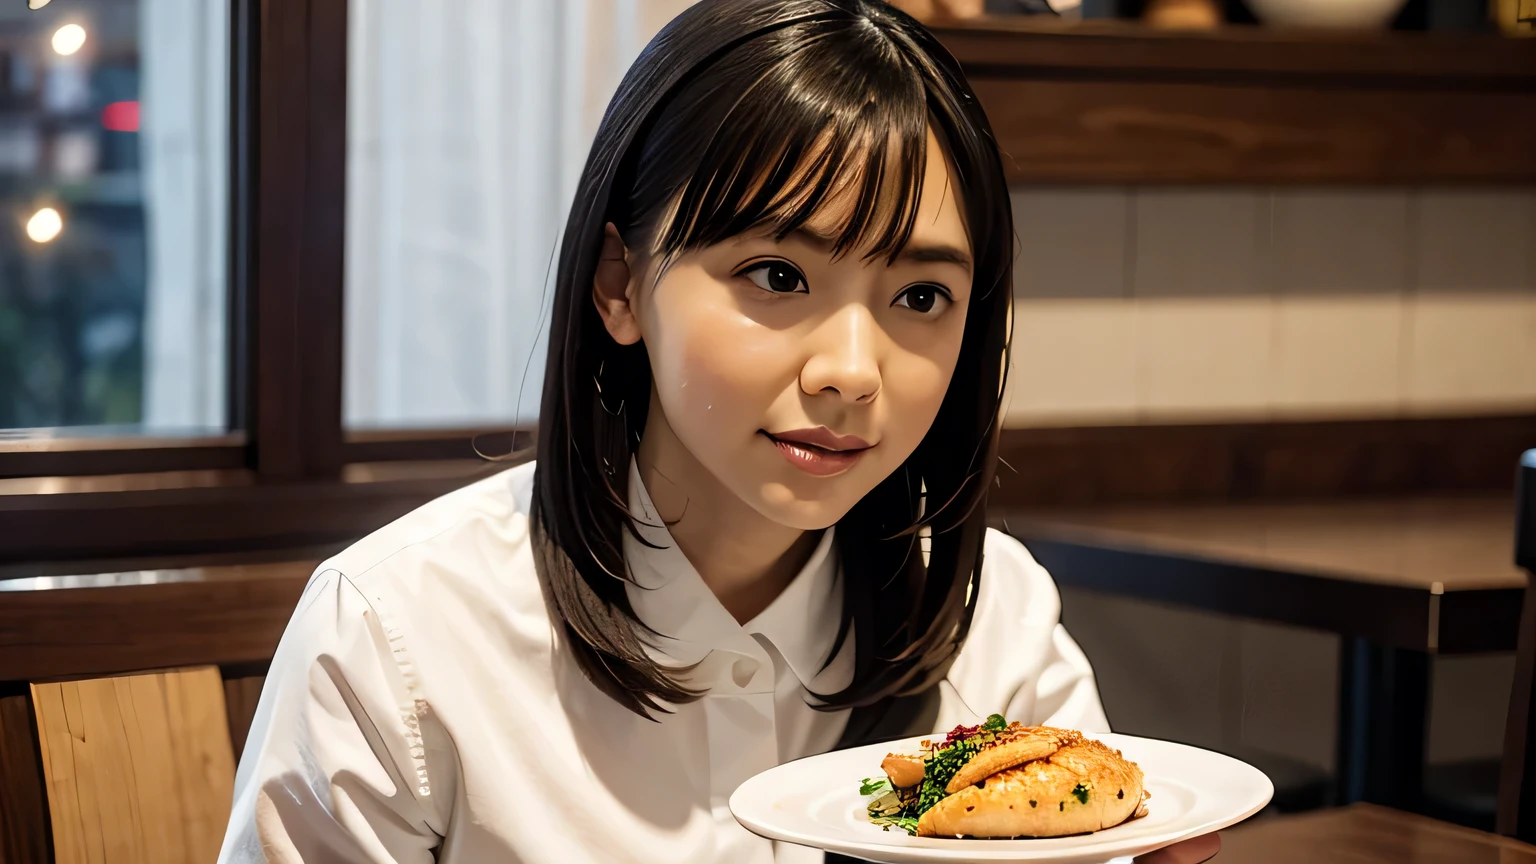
<point>468,122</point>
<point>184,163</point>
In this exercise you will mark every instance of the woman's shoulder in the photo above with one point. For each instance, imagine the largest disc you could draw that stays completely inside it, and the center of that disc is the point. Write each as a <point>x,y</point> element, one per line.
<point>498,498</point>
<point>471,541</point>
<point>1013,582</point>
<point>1009,558</point>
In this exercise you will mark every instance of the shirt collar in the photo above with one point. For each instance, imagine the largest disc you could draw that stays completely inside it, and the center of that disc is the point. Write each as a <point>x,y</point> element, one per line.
<point>670,597</point>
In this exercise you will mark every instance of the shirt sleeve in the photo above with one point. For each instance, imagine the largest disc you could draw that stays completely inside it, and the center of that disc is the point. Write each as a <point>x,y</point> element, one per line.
<point>335,769</point>
<point>1018,660</point>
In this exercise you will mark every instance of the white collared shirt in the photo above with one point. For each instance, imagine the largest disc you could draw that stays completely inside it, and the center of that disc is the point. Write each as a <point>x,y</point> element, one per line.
<point>420,708</point>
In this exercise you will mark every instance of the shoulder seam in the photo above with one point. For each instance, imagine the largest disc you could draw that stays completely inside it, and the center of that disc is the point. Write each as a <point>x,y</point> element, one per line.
<point>411,708</point>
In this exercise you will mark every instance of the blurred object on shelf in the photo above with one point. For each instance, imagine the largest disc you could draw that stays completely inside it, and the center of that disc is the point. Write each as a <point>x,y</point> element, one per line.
<point>1183,14</point>
<point>1327,14</point>
<point>1067,9</point>
<point>1100,9</point>
<point>1515,17</point>
<point>926,9</point>
<point>1459,16</point>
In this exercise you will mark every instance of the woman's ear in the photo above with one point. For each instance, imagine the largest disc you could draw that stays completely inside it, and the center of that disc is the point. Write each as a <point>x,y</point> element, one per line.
<point>611,289</point>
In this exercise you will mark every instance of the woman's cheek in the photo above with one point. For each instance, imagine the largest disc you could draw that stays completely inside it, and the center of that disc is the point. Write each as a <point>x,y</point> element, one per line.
<point>717,371</point>
<point>916,390</point>
<point>916,386</point>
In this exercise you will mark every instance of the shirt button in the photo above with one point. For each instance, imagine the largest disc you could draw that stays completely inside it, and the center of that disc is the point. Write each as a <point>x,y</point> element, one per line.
<point>743,670</point>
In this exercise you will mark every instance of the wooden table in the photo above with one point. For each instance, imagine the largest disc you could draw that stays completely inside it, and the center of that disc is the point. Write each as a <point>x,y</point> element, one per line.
<point>1399,580</point>
<point>1365,834</point>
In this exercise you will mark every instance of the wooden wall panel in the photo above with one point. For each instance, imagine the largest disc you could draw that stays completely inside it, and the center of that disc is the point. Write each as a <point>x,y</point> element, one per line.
<point>215,615</point>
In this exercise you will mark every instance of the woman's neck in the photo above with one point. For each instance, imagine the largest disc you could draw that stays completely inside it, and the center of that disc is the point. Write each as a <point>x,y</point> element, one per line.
<point>746,559</point>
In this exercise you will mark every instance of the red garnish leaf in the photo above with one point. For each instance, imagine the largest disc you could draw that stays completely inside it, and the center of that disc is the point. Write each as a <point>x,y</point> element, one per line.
<point>960,733</point>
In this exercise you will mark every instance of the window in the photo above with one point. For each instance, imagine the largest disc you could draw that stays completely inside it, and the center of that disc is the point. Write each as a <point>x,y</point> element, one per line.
<point>114,135</point>
<point>468,124</point>
<point>225,232</point>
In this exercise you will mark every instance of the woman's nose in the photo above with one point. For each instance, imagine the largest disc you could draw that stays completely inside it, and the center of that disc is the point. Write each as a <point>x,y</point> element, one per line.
<point>845,357</point>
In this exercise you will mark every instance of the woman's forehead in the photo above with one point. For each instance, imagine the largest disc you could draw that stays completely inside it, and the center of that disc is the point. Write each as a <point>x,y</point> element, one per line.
<point>939,218</point>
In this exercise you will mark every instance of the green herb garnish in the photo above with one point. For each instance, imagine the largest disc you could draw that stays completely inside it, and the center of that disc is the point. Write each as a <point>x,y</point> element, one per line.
<point>870,787</point>
<point>941,767</point>
<point>1080,792</point>
<point>889,808</point>
<point>995,723</point>
<point>905,823</point>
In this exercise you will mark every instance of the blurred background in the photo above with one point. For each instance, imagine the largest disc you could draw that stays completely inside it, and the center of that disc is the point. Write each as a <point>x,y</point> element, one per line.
<point>114,257</point>
<point>273,273</point>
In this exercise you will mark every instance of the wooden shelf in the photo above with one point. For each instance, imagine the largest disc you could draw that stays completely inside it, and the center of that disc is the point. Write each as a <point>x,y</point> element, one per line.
<point>1116,104</point>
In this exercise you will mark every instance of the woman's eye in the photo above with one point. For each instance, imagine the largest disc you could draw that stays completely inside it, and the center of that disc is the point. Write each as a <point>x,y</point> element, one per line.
<point>926,299</point>
<point>779,277</point>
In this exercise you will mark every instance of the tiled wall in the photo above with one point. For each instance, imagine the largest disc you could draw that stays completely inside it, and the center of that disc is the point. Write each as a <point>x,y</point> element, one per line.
<point>1176,305</point>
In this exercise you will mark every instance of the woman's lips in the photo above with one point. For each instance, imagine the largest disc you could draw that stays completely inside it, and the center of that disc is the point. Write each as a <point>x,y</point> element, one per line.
<point>819,452</point>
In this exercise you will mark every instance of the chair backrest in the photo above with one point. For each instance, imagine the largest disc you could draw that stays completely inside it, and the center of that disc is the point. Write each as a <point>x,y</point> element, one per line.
<point>23,801</point>
<point>138,769</point>
<point>1517,780</point>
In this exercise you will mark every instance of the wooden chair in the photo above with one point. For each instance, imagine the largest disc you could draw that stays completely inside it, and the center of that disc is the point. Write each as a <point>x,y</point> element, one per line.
<point>130,769</point>
<point>1517,780</point>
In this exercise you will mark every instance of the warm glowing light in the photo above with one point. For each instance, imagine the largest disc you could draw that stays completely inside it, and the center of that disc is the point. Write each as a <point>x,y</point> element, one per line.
<point>45,225</point>
<point>69,39</point>
<point>120,117</point>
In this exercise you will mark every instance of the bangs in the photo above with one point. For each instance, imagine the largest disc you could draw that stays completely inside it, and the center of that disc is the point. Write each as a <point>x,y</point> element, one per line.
<point>847,145</point>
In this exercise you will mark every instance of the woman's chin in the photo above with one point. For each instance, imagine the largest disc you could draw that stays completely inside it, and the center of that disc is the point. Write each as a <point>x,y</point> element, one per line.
<point>808,507</point>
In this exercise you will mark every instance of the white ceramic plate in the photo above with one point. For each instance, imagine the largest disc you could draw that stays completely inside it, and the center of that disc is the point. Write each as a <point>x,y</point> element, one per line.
<point>816,802</point>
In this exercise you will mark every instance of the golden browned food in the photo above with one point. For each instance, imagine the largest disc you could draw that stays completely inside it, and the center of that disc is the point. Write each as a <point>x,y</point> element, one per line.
<point>1080,787</point>
<point>1014,746</point>
<point>903,771</point>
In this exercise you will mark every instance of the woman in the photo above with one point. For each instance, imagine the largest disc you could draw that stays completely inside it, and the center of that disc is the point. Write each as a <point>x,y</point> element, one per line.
<point>755,529</point>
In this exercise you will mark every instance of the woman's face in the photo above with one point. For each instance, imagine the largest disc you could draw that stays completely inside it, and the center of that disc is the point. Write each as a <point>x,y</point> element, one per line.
<point>797,381</point>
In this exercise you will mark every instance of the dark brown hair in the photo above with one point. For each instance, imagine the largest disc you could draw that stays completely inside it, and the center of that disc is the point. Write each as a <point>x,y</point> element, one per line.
<point>740,115</point>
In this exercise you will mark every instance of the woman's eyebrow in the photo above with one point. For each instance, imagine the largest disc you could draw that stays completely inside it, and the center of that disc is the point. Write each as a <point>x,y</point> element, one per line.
<point>935,253</point>
<point>915,252</point>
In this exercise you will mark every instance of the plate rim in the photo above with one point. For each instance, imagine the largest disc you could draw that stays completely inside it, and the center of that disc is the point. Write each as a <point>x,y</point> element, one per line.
<point>1152,843</point>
